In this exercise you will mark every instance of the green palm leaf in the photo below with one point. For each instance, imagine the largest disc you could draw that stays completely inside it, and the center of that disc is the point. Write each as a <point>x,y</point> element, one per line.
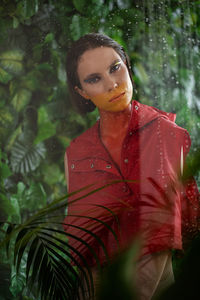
<point>39,245</point>
<point>26,157</point>
<point>32,255</point>
<point>49,257</point>
<point>23,239</point>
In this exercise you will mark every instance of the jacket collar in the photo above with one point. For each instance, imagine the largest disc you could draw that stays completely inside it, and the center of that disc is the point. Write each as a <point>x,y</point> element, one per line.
<point>143,114</point>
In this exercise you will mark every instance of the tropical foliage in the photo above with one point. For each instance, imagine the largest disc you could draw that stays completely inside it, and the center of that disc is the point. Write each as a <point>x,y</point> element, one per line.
<point>37,120</point>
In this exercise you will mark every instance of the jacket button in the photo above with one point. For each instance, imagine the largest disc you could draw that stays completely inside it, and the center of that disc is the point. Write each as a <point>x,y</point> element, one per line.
<point>72,166</point>
<point>130,133</point>
<point>92,166</point>
<point>108,167</point>
<point>126,160</point>
<point>124,188</point>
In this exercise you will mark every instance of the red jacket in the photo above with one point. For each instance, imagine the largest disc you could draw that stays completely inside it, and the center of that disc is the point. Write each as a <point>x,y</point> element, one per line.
<point>152,201</point>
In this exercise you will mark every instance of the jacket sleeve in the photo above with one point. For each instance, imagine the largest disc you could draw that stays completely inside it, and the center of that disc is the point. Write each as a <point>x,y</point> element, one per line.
<point>169,207</point>
<point>190,200</point>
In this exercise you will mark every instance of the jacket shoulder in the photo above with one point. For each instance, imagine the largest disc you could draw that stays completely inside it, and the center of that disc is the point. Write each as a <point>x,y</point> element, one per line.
<point>81,144</point>
<point>171,127</point>
<point>174,135</point>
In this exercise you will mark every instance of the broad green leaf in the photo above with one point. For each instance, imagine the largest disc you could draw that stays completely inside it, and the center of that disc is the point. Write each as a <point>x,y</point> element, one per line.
<point>52,174</point>
<point>21,188</point>
<point>46,127</point>
<point>12,61</point>
<point>57,108</point>
<point>80,5</point>
<point>21,99</point>
<point>49,38</point>
<point>27,9</point>
<point>46,130</point>
<point>7,208</point>
<point>18,280</point>
<point>8,119</point>
<point>31,81</point>
<point>79,26</point>
<point>123,4</point>
<point>6,116</point>
<point>26,157</point>
<point>44,67</point>
<point>15,22</point>
<point>34,196</point>
<point>15,216</point>
<point>119,277</point>
<point>5,76</point>
<point>141,73</point>
<point>4,170</point>
<point>12,138</point>
<point>96,9</point>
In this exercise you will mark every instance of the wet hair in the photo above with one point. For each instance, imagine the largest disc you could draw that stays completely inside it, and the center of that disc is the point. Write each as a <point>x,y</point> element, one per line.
<point>76,50</point>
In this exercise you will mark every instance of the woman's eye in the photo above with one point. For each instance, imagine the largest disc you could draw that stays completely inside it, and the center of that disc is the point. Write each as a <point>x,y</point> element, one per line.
<point>92,80</point>
<point>115,67</point>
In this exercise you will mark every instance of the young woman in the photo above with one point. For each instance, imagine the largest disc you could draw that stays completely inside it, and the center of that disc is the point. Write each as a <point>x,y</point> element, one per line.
<point>135,152</point>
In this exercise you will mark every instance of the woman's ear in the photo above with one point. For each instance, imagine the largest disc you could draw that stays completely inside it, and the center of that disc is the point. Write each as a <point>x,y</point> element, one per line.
<point>81,92</point>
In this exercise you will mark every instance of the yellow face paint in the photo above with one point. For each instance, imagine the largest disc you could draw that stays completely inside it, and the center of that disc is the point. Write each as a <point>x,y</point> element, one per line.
<point>116,100</point>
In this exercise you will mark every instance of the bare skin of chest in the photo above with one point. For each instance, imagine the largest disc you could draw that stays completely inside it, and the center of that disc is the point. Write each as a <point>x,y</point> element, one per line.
<point>114,148</point>
<point>113,129</point>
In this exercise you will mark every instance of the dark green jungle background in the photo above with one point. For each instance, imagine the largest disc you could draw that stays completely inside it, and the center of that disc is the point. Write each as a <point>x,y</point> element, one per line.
<point>37,120</point>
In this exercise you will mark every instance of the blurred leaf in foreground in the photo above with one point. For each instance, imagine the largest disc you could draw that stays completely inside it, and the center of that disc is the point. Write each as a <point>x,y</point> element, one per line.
<point>117,280</point>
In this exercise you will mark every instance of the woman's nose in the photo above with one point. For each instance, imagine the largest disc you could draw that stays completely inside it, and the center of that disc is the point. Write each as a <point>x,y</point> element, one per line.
<point>111,84</point>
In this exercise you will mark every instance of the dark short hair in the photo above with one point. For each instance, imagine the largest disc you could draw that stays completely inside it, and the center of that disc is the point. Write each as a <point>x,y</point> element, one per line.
<point>76,50</point>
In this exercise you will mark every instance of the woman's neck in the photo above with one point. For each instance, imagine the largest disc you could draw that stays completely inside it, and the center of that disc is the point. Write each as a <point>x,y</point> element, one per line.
<point>114,124</point>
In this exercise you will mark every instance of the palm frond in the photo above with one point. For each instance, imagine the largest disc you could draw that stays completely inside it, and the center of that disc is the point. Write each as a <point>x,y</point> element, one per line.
<point>50,259</point>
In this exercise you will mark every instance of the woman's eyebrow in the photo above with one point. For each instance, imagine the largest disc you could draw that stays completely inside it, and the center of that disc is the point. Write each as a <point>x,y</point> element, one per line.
<point>116,61</point>
<point>98,74</point>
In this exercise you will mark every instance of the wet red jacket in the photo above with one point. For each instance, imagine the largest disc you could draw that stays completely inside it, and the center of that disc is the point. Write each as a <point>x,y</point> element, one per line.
<point>144,197</point>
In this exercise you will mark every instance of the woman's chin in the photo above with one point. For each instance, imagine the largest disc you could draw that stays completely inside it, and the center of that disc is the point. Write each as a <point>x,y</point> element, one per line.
<point>119,107</point>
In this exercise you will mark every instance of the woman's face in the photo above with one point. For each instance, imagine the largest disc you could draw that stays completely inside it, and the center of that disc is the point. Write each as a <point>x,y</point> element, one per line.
<point>104,79</point>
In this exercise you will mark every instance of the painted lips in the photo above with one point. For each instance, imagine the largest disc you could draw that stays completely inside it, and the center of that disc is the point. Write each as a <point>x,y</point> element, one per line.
<point>116,97</point>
